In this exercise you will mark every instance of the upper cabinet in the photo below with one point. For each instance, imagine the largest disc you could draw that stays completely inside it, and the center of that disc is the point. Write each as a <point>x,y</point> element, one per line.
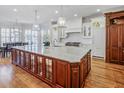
<point>58,32</point>
<point>87,30</point>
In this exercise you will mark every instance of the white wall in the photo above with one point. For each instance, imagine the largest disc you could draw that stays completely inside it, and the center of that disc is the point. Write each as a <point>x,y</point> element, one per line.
<point>97,40</point>
<point>99,37</point>
<point>76,37</point>
<point>75,23</point>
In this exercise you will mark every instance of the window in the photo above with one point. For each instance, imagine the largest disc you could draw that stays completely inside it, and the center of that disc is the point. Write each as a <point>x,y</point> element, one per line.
<point>32,38</point>
<point>10,35</point>
<point>15,35</point>
<point>5,35</point>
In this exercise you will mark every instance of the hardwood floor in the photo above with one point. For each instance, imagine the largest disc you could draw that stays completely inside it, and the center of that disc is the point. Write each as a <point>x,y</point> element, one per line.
<point>12,76</point>
<point>101,75</point>
<point>105,75</point>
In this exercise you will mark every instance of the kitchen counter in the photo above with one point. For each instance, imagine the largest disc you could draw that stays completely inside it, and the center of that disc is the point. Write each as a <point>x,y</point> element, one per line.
<point>65,67</point>
<point>67,53</point>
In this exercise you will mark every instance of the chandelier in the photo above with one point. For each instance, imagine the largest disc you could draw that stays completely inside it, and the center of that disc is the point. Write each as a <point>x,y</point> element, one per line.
<point>61,20</point>
<point>36,26</point>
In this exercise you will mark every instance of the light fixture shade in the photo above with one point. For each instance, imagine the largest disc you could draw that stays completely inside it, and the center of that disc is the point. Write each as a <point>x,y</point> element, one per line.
<point>61,21</point>
<point>36,27</point>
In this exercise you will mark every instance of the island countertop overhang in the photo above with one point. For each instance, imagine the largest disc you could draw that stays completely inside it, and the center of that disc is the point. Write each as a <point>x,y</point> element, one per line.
<point>66,53</point>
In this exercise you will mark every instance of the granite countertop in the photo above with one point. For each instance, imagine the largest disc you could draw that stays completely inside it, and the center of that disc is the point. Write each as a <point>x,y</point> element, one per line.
<point>67,53</point>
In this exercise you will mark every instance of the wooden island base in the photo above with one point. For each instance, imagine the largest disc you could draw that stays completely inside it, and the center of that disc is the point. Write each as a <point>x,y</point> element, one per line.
<point>53,71</point>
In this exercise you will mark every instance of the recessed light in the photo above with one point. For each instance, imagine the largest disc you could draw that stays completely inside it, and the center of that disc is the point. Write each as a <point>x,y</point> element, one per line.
<point>15,10</point>
<point>98,10</point>
<point>38,17</point>
<point>75,15</point>
<point>56,12</point>
<point>36,26</point>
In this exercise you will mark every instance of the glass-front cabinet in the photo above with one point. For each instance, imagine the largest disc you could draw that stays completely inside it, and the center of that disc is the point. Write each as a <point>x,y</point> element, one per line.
<point>48,69</point>
<point>40,66</point>
<point>26,60</point>
<point>32,62</point>
<point>18,57</point>
<point>22,58</point>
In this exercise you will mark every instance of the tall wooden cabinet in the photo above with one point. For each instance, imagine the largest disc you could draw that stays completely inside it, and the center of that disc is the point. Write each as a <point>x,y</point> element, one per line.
<point>115,37</point>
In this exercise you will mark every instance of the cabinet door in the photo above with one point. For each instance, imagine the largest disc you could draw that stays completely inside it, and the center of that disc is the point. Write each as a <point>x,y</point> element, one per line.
<point>49,69</point>
<point>81,73</point>
<point>114,43</point>
<point>122,45</point>
<point>75,75</point>
<point>61,73</point>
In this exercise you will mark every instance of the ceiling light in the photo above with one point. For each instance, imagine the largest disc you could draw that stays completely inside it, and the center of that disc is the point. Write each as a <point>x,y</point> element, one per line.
<point>38,17</point>
<point>15,10</point>
<point>61,20</point>
<point>98,10</point>
<point>36,26</point>
<point>75,15</point>
<point>56,12</point>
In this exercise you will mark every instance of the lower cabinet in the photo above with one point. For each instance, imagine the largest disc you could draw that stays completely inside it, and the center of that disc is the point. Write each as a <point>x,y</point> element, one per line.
<point>49,69</point>
<point>61,73</point>
<point>55,72</point>
<point>75,79</point>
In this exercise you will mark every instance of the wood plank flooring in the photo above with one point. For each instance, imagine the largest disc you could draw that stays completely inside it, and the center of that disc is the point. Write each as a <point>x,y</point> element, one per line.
<point>102,75</point>
<point>105,75</point>
<point>12,76</point>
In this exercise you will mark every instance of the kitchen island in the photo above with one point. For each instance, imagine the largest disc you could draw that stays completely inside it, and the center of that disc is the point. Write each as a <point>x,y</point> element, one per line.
<point>65,67</point>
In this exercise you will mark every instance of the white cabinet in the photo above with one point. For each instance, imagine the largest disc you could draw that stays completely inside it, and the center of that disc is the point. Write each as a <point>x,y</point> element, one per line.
<point>87,30</point>
<point>58,33</point>
<point>73,30</point>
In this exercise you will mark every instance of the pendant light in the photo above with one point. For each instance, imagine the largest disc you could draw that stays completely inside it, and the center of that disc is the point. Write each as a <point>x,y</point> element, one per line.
<point>36,25</point>
<point>61,20</point>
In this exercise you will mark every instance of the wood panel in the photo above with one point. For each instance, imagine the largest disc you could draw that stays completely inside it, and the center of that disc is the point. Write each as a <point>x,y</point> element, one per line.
<point>36,65</point>
<point>13,58</point>
<point>122,45</point>
<point>85,66</point>
<point>89,61</point>
<point>114,44</point>
<point>81,74</point>
<point>115,37</point>
<point>29,61</point>
<point>61,73</point>
<point>75,75</point>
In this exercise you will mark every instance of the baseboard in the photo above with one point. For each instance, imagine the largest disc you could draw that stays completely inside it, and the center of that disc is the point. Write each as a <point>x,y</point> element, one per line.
<point>97,57</point>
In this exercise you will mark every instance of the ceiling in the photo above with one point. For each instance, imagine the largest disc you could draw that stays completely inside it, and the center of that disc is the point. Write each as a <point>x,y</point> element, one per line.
<point>25,13</point>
